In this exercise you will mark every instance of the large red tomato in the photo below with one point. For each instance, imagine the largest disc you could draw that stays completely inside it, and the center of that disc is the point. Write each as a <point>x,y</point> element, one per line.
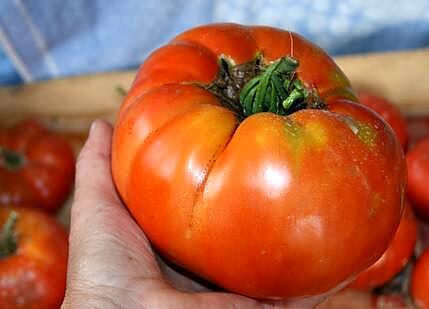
<point>418,177</point>
<point>420,281</point>
<point>36,167</point>
<point>396,256</point>
<point>33,259</point>
<point>240,152</point>
<point>389,112</point>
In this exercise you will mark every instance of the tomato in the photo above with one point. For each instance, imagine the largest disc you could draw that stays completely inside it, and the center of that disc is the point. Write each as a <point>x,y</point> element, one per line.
<point>420,281</point>
<point>424,235</point>
<point>33,259</point>
<point>36,167</point>
<point>418,128</point>
<point>242,154</point>
<point>418,177</point>
<point>389,112</point>
<point>396,256</point>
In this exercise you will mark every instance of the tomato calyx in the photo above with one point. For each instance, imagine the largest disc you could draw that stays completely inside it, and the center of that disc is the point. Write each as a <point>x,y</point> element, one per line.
<point>10,159</point>
<point>254,87</point>
<point>278,90</point>
<point>231,79</point>
<point>8,240</point>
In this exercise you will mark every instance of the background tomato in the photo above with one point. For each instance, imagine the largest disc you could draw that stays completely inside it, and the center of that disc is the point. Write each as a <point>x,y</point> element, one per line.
<point>389,112</point>
<point>36,167</point>
<point>33,260</point>
<point>418,128</point>
<point>420,281</point>
<point>424,235</point>
<point>240,152</point>
<point>418,177</point>
<point>396,256</point>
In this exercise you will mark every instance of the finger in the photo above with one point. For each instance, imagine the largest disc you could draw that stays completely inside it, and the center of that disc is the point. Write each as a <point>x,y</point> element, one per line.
<point>106,245</point>
<point>93,175</point>
<point>96,203</point>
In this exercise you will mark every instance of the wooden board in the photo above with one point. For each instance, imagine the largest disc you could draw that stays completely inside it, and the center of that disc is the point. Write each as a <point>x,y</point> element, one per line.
<point>71,104</point>
<point>402,77</point>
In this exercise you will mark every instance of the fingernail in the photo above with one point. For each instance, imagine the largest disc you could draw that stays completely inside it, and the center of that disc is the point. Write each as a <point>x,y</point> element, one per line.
<point>93,127</point>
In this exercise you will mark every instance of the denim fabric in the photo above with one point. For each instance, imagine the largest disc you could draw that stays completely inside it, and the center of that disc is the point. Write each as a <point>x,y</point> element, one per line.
<point>43,39</point>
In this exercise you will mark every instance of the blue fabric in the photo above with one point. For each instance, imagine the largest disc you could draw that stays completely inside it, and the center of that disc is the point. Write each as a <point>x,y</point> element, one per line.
<point>8,74</point>
<point>49,38</point>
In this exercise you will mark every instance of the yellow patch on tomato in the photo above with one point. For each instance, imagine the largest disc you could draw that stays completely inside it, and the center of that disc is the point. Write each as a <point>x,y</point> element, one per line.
<point>316,134</point>
<point>301,138</point>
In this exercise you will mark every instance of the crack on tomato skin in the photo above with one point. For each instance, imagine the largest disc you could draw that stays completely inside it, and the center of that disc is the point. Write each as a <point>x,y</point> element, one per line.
<point>365,132</point>
<point>376,203</point>
<point>291,43</point>
<point>154,132</point>
<point>206,172</point>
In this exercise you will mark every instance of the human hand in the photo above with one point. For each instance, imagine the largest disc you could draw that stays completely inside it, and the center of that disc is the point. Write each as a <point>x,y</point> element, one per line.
<point>111,262</point>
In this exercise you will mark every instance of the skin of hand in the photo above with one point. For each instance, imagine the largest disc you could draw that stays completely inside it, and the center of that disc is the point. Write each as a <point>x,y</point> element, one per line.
<point>111,262</point>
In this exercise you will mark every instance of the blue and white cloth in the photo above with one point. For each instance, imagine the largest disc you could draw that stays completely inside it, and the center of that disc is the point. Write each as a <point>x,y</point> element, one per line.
<point>44,39</point>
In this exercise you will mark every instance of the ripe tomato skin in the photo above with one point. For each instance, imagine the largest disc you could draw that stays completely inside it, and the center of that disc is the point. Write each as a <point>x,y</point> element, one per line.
<point>45,176</point>
<point>398,253</point>
<point>418,177</point>
<point>35,275</point>
<point>270,206</point>
<point>389,112</point>
<point>420,281</point>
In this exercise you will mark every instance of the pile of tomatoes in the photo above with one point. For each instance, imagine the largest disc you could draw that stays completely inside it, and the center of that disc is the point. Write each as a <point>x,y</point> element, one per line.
<point>401,276</point>
<point>36,176</point>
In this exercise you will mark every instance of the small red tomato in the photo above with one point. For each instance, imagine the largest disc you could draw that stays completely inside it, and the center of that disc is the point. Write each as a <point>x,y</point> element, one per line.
<point>36,167</point>
<point>389,112</point>
<point>423,235</point>
<point>418,177</point>
<point>394,258</point>
<point>418,129</point>
<point>420,281</point>
<point>33,259</point>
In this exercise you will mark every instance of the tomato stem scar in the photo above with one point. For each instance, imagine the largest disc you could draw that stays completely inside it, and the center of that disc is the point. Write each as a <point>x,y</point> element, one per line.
<point>10,159</point>
<point>8,241</point>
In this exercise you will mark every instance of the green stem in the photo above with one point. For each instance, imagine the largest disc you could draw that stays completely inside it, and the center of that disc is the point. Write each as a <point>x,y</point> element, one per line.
<point>12,160</point>
<point>8,241</point>
<point>276,89</point>
<point>254,87</point>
